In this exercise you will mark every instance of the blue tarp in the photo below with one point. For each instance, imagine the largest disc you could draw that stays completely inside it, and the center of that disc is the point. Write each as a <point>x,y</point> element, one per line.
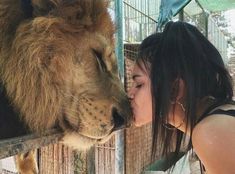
<point>169,8</point>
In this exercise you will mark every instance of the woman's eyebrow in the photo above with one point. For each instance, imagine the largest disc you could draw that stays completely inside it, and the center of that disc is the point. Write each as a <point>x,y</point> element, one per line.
<point>136,76</point>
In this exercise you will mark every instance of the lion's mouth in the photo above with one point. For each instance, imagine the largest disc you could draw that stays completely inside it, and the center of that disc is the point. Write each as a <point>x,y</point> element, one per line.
<point>99,140</point>
<point>119,123</point>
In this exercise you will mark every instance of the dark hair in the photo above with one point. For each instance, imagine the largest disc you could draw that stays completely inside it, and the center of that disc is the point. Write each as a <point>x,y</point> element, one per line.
<point>147,49</point>
<point>183,53</point>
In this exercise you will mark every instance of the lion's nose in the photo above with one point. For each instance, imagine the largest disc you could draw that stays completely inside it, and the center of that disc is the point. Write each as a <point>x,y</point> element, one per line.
<point>119,121</point>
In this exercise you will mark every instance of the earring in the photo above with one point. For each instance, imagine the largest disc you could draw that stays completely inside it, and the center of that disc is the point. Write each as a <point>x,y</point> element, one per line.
<point>182,106</point>
<point>168,126</point>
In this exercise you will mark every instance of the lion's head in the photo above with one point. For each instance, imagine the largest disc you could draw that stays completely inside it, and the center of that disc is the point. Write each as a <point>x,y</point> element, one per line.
<point>59,67</point>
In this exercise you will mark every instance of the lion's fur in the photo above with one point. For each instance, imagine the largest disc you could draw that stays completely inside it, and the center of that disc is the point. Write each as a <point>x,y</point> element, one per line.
<point>50,69</point>
<point>26,163</point>
<point>36,89</point>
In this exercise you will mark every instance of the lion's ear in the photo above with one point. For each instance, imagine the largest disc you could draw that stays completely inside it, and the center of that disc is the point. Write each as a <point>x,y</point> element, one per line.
<point>42,7</point>
<point>92,15</point>
<point>11,15</point>
<point>82,13</point>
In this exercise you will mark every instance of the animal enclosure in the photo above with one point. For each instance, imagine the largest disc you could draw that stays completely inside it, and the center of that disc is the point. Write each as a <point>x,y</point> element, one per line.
<point>139,19</point>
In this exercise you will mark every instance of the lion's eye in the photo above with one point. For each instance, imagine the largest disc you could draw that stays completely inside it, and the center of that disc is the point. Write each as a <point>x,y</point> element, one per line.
<point>100,60</point>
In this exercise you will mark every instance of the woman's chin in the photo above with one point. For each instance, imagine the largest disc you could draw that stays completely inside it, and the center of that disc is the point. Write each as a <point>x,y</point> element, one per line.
<point>137,125</point>
<point>141,123</point>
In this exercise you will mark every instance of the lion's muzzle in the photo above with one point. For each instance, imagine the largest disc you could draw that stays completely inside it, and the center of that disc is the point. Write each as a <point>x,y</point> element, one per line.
<point>119,120</point>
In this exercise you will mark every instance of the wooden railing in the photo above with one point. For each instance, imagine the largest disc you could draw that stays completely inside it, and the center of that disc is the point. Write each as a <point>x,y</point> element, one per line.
<point>13,146</point>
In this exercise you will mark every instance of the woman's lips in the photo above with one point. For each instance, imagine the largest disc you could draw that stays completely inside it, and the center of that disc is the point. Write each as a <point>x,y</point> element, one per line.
<point>133,112</point>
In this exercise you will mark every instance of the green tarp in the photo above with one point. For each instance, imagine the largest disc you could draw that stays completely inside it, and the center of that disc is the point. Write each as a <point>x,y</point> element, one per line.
<point>217,5</point>
<point>170,8</point>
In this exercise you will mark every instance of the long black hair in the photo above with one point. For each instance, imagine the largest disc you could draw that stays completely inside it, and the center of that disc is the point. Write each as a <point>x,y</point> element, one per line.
<point>182,52</point>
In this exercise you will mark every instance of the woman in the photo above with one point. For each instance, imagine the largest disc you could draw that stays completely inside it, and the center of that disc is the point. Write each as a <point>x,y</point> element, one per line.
<point>182,86</point>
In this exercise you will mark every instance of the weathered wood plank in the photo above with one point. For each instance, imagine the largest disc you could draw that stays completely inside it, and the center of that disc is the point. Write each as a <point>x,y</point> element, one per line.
<point>91,161</point>
<point>13,146</point>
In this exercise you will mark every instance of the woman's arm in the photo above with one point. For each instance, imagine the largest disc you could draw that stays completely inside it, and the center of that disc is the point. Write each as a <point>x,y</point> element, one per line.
<point>214,142</point>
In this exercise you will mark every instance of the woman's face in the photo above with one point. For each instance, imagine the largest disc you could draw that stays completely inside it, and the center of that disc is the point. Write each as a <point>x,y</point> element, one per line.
<point>140,95</point>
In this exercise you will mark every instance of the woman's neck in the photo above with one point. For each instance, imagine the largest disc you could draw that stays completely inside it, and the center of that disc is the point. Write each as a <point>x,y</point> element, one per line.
<point>202,106</point>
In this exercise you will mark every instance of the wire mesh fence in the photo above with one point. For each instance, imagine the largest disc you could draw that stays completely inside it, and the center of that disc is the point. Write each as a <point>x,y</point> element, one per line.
<point>140,18</point>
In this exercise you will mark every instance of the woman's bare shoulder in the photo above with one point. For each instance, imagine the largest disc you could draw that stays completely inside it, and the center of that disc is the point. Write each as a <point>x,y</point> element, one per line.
<point>214,140</point>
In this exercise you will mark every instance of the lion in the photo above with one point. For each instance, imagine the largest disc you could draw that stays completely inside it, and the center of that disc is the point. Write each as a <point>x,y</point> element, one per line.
<point>58,69</point>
